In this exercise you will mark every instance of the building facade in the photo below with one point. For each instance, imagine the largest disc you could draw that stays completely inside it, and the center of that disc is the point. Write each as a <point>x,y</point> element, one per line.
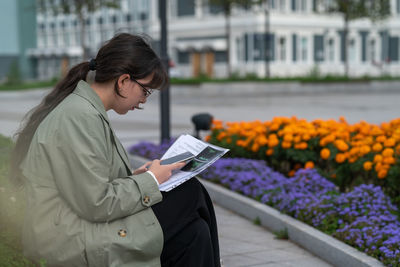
<point>299,41</point>
<point>18,31</point>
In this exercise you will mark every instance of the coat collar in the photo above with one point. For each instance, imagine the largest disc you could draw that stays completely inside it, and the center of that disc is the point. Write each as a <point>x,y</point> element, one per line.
<point>84,90</point>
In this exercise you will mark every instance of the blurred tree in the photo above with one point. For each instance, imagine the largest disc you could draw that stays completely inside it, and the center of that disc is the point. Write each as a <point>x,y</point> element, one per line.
<point>352,10</point>
<point>226,6</point>
<point>81,8</point>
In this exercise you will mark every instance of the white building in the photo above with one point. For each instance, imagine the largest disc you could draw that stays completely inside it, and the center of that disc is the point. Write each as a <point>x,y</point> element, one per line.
<point>300,41</point>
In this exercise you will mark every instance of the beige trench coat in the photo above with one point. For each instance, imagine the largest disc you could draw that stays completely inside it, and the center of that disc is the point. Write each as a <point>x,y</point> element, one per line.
<point>85,208</point>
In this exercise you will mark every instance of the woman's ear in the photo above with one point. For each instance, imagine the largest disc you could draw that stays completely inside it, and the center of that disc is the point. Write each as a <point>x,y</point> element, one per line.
<point>122,81</point>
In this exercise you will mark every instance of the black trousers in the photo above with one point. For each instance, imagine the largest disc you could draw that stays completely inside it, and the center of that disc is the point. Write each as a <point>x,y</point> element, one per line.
<point>187,218</point>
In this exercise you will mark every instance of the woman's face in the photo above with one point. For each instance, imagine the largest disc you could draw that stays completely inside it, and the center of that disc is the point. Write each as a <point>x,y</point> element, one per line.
<point>134,92</point>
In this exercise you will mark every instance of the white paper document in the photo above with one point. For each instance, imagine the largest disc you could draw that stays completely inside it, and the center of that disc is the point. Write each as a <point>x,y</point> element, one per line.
<point>206,154</point>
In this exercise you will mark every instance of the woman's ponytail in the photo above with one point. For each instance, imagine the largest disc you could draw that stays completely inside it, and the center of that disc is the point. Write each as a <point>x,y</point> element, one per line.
<point>32,120</point>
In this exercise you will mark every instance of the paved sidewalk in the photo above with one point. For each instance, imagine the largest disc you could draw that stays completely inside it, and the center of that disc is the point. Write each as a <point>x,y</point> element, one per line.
<point>243,243</point>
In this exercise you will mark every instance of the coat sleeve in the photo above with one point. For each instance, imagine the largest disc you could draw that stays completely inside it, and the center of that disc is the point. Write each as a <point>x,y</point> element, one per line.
<point>80,163</point>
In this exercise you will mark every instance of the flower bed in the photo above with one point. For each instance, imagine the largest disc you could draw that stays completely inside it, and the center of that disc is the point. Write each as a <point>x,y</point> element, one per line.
<point>348,155</point>
<point>363,218</point>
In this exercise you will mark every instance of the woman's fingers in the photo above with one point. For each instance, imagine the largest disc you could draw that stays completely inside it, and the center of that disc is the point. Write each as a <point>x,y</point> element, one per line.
<point>178,165</point>
<point>164,172</point>
<point>142,169</point>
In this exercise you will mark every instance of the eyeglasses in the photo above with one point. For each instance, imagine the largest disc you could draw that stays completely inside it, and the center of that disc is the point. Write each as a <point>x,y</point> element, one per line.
<point>147,92</point>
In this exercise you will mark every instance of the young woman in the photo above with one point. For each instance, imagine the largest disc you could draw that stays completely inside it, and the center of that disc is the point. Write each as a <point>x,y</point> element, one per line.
<point>84,205</point>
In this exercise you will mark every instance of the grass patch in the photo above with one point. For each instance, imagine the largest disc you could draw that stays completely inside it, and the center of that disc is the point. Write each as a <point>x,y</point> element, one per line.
<point>257,221</point>
<point>281,234</point>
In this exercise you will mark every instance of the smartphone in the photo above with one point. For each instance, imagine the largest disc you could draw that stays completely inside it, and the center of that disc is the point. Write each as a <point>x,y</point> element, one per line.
<point>186,156</point>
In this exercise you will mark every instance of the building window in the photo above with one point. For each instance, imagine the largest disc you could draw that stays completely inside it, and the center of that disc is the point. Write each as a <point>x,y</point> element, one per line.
<point>331,50</point>
<point>185,7</point>
<point>319,52</point>
<point>303,49</point>
<point>100,20</point>
<point>221,56</point>
<point>183,57</point>
<point>282,48</point>
<point>258,51</point>
<point>114,19</point>
<point>128,18</point>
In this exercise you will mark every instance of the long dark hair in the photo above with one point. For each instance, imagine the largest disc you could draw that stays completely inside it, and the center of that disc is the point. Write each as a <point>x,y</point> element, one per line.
<point>123,54</point>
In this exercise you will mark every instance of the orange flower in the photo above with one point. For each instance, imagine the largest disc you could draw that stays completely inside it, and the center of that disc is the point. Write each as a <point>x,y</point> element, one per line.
<point>301,146</point>
<point>272,142</point>
<point>291,173</point>
<point>297,139</point>
<point>365,149</point>
<point>398,149</point>
<point>389,160</point>
<point>240,143</point>
<point>378,167</point>
<point>255,147</point>
<point>340,157</point>
<point>269,152</point>
<point>262,140</point>
<point>352,159</point>
<point>309,165</point>
<point>306,137</point>
<point>388,152</point>
<point>325,153</point>
<point>274,127</point>
<point>288,138</point>
<point>381,138</point>
<point>377,147</point>
<point>286,145</point>
<point>378,158</point>
<point>341,145</point>
<point>382,174</point>
<point>221,136</point>
<point>367,165</point>
<point>390,142</point>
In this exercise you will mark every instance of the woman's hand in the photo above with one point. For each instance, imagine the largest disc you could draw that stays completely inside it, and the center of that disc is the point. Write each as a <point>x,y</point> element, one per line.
<point>142,168</point>
<point>163,172</point>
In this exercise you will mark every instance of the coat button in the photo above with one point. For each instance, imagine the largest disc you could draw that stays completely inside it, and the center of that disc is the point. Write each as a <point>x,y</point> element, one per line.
<point>122,233</point>
<point>146,199</point>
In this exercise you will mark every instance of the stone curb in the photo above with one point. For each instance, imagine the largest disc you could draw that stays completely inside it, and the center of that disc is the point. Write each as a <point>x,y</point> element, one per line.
<point>322,245</point>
